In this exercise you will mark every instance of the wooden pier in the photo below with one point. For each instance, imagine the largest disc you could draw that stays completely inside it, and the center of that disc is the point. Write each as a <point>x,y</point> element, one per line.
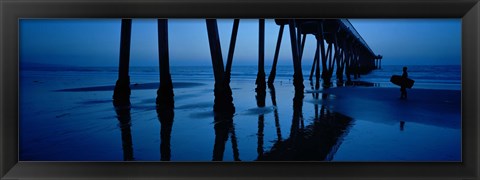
<point>345,48</point>
<point>339,48</point>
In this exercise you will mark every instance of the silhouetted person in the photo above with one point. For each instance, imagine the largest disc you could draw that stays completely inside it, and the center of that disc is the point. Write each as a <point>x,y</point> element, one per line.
<point>403,87</point>
<point>402,125</point>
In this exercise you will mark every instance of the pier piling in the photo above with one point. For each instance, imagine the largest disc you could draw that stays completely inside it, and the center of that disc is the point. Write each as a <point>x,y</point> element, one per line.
<point>260,82</point>
<point>297,66</point>
<point>165,90</point>
<point>273,71</point>
<point>121,94</point>
<point>222,91</point>
<point>231,50</point>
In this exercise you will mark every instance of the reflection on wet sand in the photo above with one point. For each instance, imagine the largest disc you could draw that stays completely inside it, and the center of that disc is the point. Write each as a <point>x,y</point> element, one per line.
<point>165,116</point>
<point>124,118</point>
<point>260,97</point>
<point>316,142</point>
<point>275,111</point>
<point>223,127</point>
<point>361,83</point>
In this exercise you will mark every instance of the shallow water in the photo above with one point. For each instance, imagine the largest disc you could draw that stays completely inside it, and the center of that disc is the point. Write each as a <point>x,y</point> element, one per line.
<point>69,116</point>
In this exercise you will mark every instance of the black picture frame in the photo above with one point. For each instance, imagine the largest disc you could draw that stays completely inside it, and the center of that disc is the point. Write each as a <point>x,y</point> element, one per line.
<point>11,11</point>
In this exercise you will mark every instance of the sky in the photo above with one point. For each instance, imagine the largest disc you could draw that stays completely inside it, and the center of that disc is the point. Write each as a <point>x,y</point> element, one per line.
<point>96,42</point>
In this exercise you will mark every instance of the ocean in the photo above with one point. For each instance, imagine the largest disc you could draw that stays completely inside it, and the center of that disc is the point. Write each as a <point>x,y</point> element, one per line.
<point>426,77</point>
<point>66,114</point>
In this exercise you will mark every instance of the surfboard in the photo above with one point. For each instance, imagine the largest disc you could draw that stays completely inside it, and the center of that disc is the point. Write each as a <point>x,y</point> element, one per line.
<point>399,81</point>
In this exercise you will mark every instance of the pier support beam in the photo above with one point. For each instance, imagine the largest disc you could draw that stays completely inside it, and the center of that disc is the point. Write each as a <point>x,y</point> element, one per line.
<point>315,61</point>
<point>165,90</point>
<point>302,47</point>
<point>223,103</point>
<point>223,94</point>
<point>297,66</point>
<point>328,70</point>
<point>349,62</point>
<point>260,82</point>
<point>121,94</point>
<point>317,64</point>
<point>164,101</point>
<point>354,63</point>
<point>341,63</point>
<point>261,85</point>
<point>231,50</point>
<point>273,71</point>
<point>335,58</point>
<point>321,41</point>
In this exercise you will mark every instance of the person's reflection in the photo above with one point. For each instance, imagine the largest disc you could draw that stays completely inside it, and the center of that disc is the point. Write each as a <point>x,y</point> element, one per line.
<point>275,111</point>
<point>165,116</point>
<point>124,118</point>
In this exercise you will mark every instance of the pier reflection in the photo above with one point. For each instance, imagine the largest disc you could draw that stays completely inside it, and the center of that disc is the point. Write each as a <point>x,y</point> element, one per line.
<point>165,116</point>
<point>124,119</point>
<point>224,127</point>
<point>260,98</point>
<point>271,87</point>
<point>318,141</point>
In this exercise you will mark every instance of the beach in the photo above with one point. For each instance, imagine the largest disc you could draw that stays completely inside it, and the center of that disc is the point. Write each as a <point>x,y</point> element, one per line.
<point>68,115</point>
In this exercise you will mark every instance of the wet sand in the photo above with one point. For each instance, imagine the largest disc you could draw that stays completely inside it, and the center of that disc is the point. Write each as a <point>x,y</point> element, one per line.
<point>424,127</point>
<point>63,120</point>
<point>431,107</point>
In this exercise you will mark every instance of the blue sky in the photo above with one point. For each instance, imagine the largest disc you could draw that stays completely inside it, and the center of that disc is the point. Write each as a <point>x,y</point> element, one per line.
<point>96,42</point>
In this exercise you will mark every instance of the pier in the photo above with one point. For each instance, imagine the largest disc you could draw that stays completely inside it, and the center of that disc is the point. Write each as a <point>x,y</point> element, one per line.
<point>340,49</point>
